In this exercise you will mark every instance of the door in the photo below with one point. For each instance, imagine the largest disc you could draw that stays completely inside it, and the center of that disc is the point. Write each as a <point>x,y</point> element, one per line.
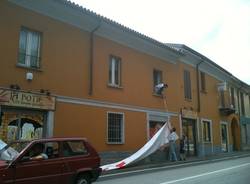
<point>154,126</point>
<point>189,130</point>
<point>77,157</point>
<point>224,138</point>
<point>235,132</point>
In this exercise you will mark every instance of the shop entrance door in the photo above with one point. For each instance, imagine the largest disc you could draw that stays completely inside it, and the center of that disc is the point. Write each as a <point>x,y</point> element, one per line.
<point>21,126</point>
<point>154,126</point>
<point>189,130</point>
<point>224,138</point>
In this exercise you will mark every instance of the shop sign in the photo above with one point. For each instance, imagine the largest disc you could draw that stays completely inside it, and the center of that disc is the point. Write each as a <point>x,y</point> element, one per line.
<point>189,113</point>
<point>27,100</point>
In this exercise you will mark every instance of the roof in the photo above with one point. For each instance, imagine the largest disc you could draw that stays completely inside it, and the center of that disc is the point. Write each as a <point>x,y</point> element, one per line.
<point>177,49</point>
<point>182,47</point>
<point>114,23</point>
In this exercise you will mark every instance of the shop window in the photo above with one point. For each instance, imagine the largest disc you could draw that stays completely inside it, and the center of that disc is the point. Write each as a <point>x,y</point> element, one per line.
<point>115,128</point>
<point>17,126</point>
<point>206,126</point>
<point>157,77</point>
<point>29,48</point>
<point>115,71</point>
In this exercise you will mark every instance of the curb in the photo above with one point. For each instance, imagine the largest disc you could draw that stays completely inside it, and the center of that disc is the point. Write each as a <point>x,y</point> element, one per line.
<point>166,166</point>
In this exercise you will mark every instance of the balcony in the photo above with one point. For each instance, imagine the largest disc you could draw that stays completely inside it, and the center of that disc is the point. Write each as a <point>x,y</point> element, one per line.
<point>226,107</point>
<point>226,111</point>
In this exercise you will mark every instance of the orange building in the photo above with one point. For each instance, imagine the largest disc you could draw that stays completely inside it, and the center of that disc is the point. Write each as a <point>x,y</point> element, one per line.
<point>66,71</point>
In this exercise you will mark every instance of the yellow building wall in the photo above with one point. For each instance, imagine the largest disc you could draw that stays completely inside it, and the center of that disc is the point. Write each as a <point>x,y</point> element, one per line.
<point>137,77</point>
<point>64,53</point>
<point>65,61</point>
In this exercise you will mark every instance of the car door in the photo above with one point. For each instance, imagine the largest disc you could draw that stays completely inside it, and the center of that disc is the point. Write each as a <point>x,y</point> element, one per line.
<point>76,157</point>
<point>42,171</point>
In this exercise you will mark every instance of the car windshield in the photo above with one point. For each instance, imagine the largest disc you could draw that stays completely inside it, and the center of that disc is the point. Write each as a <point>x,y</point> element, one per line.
<point>11,151</point>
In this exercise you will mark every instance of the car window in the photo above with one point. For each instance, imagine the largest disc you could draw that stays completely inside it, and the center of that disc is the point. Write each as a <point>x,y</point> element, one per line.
<point>52,149</point>
<point>72,148</point>
<point>35,151</point>
<point>45,150</point>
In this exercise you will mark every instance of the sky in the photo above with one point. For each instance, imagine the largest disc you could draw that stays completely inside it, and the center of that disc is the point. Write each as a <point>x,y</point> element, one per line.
<point>218,29</point>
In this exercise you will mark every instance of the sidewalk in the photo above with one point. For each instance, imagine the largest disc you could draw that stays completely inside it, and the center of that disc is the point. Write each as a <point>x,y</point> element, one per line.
<point>149,167</point>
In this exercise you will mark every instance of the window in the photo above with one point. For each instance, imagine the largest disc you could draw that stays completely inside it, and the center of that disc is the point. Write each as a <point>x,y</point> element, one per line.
<point>232,97</point>
<point>157,76</point>
<point>206,131</point>
<point>115,71</point>
<point>222,99</point>
<point>73,148</point>
<point>242,104</point>
<point>203,81</point>
<point>187,85</point>
<point>29,48</point>
<point>115,128</point>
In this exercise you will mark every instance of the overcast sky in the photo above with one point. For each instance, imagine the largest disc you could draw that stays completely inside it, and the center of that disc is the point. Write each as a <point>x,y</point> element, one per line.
<point>218,29</point>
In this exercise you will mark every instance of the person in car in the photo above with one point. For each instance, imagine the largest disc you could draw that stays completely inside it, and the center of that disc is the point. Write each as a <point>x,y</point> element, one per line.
<point>37,152</point>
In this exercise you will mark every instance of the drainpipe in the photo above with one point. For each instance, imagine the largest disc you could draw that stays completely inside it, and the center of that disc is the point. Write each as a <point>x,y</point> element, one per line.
<point>239,111</point>
<point>198,97</point>
<point>92,57</point>
<point>198,86</point>
<point>238,96</point>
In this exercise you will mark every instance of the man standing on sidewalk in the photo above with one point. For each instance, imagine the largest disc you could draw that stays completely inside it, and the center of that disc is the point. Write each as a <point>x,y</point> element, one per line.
<point>172,145</point>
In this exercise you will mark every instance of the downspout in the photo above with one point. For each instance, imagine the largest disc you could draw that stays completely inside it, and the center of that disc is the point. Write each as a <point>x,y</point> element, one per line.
<point>198,86</point>
<point>239,111</point>
<point>198,97</point>
<point>238,96</point>
<point>92,57</point>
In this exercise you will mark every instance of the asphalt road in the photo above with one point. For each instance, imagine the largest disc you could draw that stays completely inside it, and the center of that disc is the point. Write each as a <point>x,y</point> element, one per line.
<point>235,171</point>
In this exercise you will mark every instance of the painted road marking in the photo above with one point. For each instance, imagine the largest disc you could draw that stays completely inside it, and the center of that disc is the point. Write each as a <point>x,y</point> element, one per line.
<point>170,166</point>
<point>205,174</point>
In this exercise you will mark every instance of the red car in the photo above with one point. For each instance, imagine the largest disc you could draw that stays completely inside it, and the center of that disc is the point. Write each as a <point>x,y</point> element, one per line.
<point>49,161</point>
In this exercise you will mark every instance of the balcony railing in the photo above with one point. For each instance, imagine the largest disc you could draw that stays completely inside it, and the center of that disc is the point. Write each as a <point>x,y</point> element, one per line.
<point>225,107</point>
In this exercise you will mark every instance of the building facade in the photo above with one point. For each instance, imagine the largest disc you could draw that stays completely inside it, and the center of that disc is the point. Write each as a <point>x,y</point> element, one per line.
<point>66,71</point>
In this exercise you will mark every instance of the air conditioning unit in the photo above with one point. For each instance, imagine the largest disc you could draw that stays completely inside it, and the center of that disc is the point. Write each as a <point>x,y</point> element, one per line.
<point>222,86</point>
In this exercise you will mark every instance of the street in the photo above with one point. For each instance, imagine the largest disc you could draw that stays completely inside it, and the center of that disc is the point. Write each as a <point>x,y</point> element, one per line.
<point>223,172</point>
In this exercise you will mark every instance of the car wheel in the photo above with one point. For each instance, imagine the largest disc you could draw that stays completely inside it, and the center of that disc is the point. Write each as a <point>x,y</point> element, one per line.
<point>83,179</point>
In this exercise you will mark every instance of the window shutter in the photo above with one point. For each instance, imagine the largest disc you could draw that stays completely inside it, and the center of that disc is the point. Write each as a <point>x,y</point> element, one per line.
<point>187,85</point>
<point>203,81</point>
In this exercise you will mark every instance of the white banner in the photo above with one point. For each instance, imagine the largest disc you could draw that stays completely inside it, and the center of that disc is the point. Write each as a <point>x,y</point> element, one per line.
<point>157,141</point>
<point>2,144</point>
